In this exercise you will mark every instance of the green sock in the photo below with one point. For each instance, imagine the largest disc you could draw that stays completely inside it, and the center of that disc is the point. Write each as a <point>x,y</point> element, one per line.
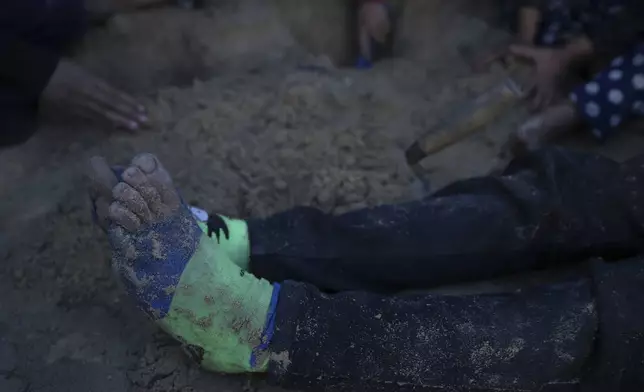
<point>236,245</point>
<point>218,309</point>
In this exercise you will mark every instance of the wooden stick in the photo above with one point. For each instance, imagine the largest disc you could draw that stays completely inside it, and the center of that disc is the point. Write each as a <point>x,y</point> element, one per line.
<point>466,122</point>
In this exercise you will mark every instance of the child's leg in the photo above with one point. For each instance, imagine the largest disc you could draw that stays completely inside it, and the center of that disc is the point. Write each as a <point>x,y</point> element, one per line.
<point>578,336</point>
<point>374,25</point>
<point>586,331</point>
<point>532,217</point>
<point>552,207</point>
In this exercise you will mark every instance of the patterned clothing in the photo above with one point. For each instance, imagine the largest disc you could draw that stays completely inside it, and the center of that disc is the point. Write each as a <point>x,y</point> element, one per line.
<point>563,19</point>
<point>616,94</point>
<point>613,96</point>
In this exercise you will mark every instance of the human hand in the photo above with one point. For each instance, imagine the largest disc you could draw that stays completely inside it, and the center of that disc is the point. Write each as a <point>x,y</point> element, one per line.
<point>550,64</point>
<point>88,96</point>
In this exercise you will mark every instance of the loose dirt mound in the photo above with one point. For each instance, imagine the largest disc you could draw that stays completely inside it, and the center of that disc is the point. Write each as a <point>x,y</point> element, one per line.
<point>263,127</point>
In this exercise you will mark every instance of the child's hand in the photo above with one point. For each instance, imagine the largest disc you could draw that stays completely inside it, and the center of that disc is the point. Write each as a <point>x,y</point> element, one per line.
<point>550,65</point>
<point>87,95</point>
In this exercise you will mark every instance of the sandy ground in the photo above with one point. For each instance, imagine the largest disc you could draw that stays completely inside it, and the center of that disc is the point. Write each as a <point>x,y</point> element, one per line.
<point>249,123</point>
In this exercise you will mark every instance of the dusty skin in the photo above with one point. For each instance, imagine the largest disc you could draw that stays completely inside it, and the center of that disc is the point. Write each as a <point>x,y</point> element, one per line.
<point>244,130</point>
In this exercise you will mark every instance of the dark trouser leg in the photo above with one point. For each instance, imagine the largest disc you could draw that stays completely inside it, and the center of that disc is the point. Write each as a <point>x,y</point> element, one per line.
<point>578,336</point>
<point>554,207</point>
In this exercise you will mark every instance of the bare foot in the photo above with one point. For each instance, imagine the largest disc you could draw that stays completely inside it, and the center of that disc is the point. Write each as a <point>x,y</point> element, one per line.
<point>190,286</point>
<point>145,220</point>
<point>146,194</point>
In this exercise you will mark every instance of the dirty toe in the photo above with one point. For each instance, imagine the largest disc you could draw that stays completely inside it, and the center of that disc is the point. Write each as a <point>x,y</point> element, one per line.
<point>131,199</point>
<point>159,178</point>
<point>102,178</point>
<point>123,217</point>
<point>134,177</point>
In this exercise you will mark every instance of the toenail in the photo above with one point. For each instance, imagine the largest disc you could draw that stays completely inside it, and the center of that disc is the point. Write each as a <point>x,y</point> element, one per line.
<point>147,163</point>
